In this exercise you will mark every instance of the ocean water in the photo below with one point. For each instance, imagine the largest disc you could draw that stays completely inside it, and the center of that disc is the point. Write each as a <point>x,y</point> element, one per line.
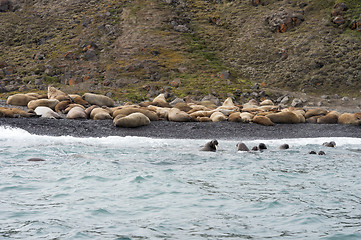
<point>143,188</point>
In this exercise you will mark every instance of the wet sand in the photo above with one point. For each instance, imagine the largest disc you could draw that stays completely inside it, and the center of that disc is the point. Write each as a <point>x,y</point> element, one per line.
<point>182,130</point>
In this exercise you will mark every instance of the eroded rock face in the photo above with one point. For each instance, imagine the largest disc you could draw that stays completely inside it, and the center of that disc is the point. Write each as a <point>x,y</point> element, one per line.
<point>284,20</point>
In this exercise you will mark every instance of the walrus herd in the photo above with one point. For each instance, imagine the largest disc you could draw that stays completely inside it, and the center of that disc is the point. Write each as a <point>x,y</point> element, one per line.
<point>58,104</point>
<point>211,146</point>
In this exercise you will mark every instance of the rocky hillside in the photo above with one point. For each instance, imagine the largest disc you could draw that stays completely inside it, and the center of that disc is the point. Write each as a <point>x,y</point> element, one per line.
<point>134,50</point>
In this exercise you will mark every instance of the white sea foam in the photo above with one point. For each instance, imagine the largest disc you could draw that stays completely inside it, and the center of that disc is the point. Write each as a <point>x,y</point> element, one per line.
<point>9,133</point>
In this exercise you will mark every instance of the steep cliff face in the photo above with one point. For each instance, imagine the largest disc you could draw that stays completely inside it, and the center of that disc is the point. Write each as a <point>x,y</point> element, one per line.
<point>136,49</point>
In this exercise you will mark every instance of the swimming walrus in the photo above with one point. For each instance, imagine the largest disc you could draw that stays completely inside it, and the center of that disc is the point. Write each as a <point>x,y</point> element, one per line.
<point>329,144</point>
<point>210,146</point>
<point>242,147</point>
<point>36,160</point>
<point>285,146</point>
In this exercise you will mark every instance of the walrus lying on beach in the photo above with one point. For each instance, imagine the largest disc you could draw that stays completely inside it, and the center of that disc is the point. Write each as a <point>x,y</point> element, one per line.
<point>46,112</point>
<point>14,112</point>
<point>20,99</point>
<point>133,120</point>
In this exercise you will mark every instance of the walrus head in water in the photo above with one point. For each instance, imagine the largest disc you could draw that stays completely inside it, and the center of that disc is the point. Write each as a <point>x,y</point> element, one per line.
<point>284,146</point>
<point>210,146</point>
<point>36,160</point>
<point>242,147</point>
<point>329,144</point>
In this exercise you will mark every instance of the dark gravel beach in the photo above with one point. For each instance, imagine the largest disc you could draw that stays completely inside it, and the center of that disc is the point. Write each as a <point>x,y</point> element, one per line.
<point>183,130</point>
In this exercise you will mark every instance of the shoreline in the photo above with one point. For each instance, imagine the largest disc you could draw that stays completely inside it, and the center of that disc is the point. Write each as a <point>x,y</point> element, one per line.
<point>180,130</point>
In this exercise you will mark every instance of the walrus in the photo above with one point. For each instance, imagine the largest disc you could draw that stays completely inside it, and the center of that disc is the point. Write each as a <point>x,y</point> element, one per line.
<point>235,117</point>
<point>285,146</point>
<point>76,113</point>
<point>133,120</point>
<point>51,103</point>
<point>183,106</point>
<point>321,153</point>
<point>46,112</point>
<point>349,118</point>
<point>262,146</point>
<point>267,102</point>
<point>315,112</point>
<point>20,99</point>
<point>54,93</point>
<point>126,111</point>
<point>210,146</point>
<point>329,144</point>
<point>14,113</point>
<point>218,117</point>
<point>100,114</point>
<point>284,117</point>
<point>61,106</point>
<point>242,147</point>
<point>35,160</point>
<point>262,120</point>
<point>176,115</point>
<point>97,99</point>
<point>329,118</point>
<point>160,101</point>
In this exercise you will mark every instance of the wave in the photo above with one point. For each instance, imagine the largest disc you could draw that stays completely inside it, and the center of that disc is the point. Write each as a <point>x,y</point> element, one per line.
<point>18,134</point>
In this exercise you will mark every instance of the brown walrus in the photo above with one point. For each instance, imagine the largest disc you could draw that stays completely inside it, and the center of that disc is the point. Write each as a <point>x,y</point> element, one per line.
<point>210,146</point>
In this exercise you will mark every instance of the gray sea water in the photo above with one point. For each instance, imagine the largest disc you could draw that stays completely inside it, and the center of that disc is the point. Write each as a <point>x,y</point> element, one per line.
<point>143,188</point>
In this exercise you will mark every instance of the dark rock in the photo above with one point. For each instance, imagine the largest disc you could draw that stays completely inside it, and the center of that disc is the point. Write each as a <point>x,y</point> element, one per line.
<point>175,83</point>
<point>3,64</point>
<point>181,28</point>
<point>255,2</point>
<point>225,75</point>
<point>297,102</point>
<point>213,99</point>
<point>284,20</point>
<point>90,54</point>
<point>285,100</point>
<point>356,25</point>
<point>38,81</point>
<point>39,56</point>
<point>341,6</point>
<point>339,20</point>
<point>6,5</point>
